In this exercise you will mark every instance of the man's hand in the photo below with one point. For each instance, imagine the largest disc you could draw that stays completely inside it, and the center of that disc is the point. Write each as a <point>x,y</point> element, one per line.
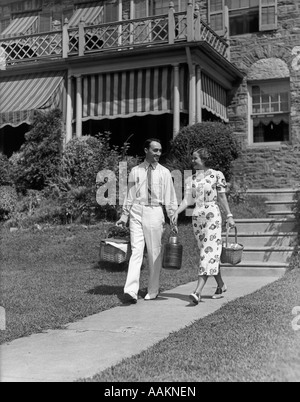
<point>174,219</point>
<point>120,222</point>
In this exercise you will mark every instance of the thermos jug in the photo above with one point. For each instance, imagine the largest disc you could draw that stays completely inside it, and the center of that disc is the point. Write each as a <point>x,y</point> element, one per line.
<point>173,253</point>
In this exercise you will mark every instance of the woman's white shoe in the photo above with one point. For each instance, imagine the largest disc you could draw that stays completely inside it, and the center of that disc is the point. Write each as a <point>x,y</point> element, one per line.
<point>195,298</point>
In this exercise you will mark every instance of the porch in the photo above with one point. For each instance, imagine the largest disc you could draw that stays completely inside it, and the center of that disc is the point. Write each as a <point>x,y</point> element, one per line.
<point>170,64</point>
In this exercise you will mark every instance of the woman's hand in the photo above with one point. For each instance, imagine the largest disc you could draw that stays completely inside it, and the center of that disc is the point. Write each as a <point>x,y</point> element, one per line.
<point>230,222</point>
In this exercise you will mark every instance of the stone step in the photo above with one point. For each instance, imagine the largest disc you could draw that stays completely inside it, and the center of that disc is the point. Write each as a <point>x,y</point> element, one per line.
<point>268,254</point>
<point>281,239</point>
<point>281,214</point>
<point>254,268</point>
<point>266,225</point>
<point>276,194</point>
<point>280,206</point>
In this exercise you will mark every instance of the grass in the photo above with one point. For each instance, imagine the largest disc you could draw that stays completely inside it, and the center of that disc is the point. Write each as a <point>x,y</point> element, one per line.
<point>52,277</point>
<point>250,339</point>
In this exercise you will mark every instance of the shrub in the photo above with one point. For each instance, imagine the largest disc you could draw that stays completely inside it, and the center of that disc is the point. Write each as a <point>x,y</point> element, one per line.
<point>237,191</point>
<point>40,155</point>
<point>296,210</point>
<point>216,137</point>
<point>8,201</point>
<point>83,158</point>
<point>30,202</point>
<point>5,173</point>
<point>75,185</point>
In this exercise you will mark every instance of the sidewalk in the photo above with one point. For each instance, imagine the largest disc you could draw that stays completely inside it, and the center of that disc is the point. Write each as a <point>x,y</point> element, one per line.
<point>95,343</point>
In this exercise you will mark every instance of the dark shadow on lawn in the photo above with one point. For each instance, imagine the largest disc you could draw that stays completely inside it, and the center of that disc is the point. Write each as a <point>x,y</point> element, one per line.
<point>106,290</point>
<point>110,267</point>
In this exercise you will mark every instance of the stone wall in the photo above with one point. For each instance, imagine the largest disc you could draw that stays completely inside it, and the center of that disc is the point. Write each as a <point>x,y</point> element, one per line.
<point>267,166</point>
<point>270,167</point>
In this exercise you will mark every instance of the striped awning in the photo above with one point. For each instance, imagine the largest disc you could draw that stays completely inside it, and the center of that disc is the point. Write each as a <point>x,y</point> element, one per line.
<point>214,98</point>
<point>131,93</point>
<point>21,96</point>
<point>21,26</point>
<point>89,14</point>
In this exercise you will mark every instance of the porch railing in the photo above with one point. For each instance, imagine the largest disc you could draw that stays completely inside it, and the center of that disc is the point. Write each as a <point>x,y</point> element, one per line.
<point>69,42</point>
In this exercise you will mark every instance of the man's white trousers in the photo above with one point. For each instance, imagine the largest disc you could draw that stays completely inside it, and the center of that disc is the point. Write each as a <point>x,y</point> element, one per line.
<point>146,227</point>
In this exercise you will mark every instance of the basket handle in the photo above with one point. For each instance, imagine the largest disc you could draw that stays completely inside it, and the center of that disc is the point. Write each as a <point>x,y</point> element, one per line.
<point>227,233</point>
<point>174,229</point>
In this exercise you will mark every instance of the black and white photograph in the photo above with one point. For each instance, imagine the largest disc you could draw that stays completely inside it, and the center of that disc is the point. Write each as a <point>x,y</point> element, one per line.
<point>150,193</point>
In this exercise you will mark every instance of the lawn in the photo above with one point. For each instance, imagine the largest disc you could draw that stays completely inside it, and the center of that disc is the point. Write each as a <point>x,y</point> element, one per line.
<point>250,339</point>
<point>51,277</point>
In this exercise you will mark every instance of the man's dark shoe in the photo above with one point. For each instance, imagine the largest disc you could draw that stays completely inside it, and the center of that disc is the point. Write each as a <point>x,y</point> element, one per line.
<point>130,298</point>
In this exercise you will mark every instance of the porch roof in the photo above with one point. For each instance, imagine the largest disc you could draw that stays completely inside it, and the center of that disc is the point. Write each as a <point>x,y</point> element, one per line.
<point>144,91</point>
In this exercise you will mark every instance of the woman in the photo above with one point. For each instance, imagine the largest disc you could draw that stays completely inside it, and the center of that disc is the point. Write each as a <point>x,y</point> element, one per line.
<point>205,188</point>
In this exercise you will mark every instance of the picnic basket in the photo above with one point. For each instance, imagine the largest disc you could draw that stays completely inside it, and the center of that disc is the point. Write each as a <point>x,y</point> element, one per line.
<point>115,248</point>
<point>231,252</point>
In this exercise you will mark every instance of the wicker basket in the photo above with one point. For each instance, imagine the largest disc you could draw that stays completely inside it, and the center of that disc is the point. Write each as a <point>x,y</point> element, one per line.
<point>231,252</point>
<point>109,253</point>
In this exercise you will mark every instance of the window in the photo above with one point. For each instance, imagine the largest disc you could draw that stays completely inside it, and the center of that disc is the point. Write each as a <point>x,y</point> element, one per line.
<point>245,16</point>
<point>111,11</point>
<point>270,111</point>
<point>45,22</point>
<point>147,8</point>
<point>4,24</point>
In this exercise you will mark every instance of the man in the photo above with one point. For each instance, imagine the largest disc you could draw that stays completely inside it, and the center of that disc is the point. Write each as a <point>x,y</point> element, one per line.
<point>150,188</point>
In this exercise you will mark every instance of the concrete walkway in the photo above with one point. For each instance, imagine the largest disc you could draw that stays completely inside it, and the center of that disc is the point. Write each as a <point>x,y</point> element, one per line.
<point>95,343</point>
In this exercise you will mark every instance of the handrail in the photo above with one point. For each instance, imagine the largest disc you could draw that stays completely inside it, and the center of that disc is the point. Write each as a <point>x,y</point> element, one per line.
<point>84,39</point>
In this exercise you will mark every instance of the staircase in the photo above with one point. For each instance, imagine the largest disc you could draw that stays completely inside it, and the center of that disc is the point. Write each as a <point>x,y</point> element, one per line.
<point>268,242</point>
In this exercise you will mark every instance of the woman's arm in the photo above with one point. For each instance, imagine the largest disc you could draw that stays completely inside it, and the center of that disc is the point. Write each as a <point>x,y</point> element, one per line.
<point>224,204</point>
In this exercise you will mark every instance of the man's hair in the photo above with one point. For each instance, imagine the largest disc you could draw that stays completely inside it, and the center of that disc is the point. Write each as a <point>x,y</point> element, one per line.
<point>148,142</point>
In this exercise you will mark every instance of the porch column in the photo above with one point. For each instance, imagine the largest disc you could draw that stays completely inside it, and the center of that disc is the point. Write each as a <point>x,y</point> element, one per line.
<point>78,106</point>
<point>69,112</point>
<point>120,18</point>
<point>198,95</point>
<point>192,106</point>
<point>176,107</point>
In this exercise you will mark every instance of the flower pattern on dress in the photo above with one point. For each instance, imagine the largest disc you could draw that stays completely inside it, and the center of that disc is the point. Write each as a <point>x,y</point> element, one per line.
<point>207,221</point>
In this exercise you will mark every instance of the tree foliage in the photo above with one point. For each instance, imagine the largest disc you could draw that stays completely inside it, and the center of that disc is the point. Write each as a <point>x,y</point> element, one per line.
<point>39,157</point>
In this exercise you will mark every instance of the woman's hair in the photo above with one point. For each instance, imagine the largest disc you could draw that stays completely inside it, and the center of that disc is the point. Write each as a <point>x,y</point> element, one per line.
<point>205,156</point>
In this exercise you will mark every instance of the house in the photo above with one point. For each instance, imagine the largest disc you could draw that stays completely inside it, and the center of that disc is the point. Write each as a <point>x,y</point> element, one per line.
<point>141,68</point>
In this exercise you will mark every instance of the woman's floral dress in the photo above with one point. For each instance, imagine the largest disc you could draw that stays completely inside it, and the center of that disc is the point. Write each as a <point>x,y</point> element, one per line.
<point>202,189</point>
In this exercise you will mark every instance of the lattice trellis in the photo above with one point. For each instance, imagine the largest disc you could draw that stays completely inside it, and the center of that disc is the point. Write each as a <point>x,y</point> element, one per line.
<point>32,46</point>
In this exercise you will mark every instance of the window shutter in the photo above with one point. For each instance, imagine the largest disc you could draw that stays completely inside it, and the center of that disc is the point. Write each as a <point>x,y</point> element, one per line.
<point>267,15</point>
<point>216,16</point>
